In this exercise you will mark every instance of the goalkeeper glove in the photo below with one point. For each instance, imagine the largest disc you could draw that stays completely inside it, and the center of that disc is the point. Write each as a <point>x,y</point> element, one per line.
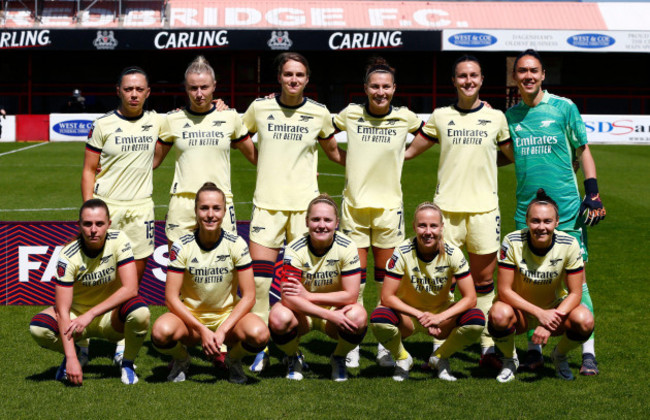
<point>592,208</point>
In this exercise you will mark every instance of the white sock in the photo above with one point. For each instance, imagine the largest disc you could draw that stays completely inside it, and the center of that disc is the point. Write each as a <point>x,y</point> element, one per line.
<point>119,349</point>
<point>487,350</point>
<point>588,347</point>
<point>436,346</point>
<point>533,346</point>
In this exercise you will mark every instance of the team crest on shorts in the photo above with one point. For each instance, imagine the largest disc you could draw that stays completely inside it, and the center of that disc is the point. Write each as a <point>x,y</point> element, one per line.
<point>392,262</point>
<point>60,269</point>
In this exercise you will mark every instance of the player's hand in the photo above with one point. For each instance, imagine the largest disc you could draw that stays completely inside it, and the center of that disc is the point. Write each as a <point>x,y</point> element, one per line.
<point>550,319</point>
<point>341,321</point>
<point>427,319</point>
<point>592,209</point>
<point>209,342</point>
<point>220,104</point>
<point>77,326</point>
<point>540,336</point>
<point>271,95</point>
<point>434,331</point>
<point>73,371</point>
<point>294,287</point>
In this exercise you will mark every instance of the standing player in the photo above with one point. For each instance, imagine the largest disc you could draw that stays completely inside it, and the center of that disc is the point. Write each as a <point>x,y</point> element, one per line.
<point>372,209</point>
<point>470,134</point>
<point>118,167</point>
<point>416,296</point>
<point>547,133</point>
<point>534,265</point>
<point>203,137</point>
<point>289,127</point>
<point>206,269</point>
<point>96,296</point>
<point>320,289</point>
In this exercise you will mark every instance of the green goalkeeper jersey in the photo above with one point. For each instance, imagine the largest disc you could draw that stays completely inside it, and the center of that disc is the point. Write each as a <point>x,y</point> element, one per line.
<point>545,138</point>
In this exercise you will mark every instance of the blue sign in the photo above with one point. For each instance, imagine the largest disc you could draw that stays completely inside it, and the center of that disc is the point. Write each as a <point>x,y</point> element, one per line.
<point>472,39</point>
<point>79,128</point>
<point>591,40</point>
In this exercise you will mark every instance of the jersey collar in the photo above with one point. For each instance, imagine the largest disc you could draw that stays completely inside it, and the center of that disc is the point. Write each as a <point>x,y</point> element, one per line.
<point>536,251</point>
<point>92,254</point>
<point>468,111</point>
<point>367,109</point>
<point>277,99</point>
<point>420,256</point>
<point>198,242</point>
<point>189,111</point>
<point>545,99</point>
<point>313,251</point>
<point>128,118</point>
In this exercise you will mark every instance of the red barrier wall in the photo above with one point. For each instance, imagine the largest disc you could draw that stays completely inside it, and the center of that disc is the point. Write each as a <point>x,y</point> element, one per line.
<point>33,127</point>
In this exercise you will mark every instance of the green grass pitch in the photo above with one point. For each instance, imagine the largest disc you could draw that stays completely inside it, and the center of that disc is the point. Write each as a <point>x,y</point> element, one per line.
<point>42,183</point>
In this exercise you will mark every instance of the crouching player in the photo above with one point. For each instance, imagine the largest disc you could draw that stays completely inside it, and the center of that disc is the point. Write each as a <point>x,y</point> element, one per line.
<point>534,265</point>
<point>205,270</point>
<point>320,287</point>
<point>415,296</point>
<point>96,296</point>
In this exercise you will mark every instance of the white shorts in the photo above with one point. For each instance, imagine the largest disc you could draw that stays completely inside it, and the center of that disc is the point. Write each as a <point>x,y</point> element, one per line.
<point>270,228</point>
<point>381,228</point>
<point>136,219</point>
<point>480,233</point>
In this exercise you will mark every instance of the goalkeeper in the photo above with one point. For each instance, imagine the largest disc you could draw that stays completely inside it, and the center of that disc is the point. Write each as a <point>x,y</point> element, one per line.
<point>548,133</point>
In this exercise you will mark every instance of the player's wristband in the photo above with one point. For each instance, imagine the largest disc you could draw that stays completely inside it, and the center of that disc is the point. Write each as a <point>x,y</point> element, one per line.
<point>591,186</point>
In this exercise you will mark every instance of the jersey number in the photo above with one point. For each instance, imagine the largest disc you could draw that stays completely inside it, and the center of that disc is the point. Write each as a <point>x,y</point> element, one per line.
<point>151,228</point>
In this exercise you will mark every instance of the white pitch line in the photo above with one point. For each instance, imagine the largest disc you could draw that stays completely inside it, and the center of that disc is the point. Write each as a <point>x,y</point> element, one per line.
<point>23,148</point>
<point>326,174</point>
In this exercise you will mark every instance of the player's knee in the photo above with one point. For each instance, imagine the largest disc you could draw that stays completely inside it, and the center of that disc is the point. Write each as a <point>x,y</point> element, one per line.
<point>383,315</point>
<point>359,316</point>
<point>500,316</point>
<point>44,329</point>
<point>582,321</point>
<point>162,332</point>
<point>281,319</point>
<point>257,333</point>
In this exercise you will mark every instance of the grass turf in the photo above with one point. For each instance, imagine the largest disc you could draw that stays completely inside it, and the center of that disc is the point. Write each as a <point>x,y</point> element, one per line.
<point>47,177</point>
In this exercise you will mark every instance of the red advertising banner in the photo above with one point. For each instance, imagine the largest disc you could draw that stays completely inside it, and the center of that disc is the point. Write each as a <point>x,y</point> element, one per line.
<point>29,252</point>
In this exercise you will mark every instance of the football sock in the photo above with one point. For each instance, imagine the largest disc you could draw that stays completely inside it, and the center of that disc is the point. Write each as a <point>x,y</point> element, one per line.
<point>347,342</point>
<point>135,315</point>
<point>263,271</point>
<point>288,342</point>
<point>504,340</point>
<point>470,325</point>
<point>588,346</point>
<point>484,299</point>
<point>383,323</point>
